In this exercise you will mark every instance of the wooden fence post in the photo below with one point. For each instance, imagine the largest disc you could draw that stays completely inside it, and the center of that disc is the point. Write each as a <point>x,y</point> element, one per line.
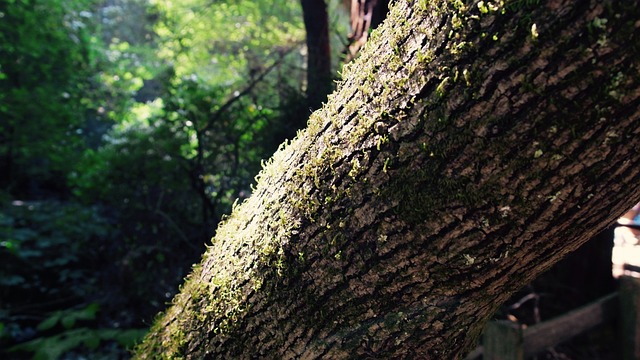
<point>503,340</point>
<point>630,317</point>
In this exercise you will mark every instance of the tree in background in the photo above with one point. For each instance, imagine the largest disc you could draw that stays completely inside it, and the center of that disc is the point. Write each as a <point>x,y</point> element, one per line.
<point>319,74</point>
<point>365,16</point>
<point>472,146</point>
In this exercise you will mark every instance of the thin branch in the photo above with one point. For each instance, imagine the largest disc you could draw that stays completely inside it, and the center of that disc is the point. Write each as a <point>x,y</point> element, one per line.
<point>237,96</point>
<point>183,237</point>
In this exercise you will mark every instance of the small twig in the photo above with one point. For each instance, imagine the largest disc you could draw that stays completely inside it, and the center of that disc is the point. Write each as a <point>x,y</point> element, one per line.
<point>238,95</point>
<point>523,300</point>
<point>183,237</point>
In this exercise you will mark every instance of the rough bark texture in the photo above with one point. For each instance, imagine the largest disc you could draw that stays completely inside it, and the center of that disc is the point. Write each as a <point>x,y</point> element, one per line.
<point>471,146</point>
<point>319,80</point>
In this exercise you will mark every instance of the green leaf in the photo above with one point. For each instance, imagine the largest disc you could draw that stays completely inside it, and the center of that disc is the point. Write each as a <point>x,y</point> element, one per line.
<point>129,338</point>
<point>68,321</point>
<point>92,341</point>
<point>52,347</point>
<point>49,322</point>
<point>88,313</point>
<point>10,245</point>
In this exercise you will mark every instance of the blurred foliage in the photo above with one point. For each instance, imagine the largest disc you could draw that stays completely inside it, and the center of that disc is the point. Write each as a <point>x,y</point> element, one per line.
<point>51,347</point>
<point>226,41</point>
<point>127,129</point>
<point>43,89</point>
<point>50,253</point>
<point>40,247</point>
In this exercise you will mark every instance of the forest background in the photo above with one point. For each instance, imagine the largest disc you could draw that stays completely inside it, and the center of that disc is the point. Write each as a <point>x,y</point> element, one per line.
<point>128,128</point>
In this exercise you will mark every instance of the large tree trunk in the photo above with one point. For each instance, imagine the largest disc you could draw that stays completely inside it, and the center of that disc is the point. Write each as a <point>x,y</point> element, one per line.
<point>471,146</point>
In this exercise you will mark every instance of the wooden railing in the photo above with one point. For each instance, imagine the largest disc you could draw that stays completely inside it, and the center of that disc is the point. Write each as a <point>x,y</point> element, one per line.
<point>505,340</point>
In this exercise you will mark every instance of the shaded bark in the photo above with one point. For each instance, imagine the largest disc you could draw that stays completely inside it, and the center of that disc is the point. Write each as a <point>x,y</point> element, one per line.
<point>470,147</point>
<point>319,79</point>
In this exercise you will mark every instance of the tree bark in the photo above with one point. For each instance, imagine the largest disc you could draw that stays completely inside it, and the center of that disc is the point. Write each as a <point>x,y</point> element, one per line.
<point>319,79</point>
<point>471,146</point>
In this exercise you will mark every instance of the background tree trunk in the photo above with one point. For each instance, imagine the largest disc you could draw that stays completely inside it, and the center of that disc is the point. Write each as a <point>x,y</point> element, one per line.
<point>470,147</point>
<point>319,79</point>
<point>365,16</point>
